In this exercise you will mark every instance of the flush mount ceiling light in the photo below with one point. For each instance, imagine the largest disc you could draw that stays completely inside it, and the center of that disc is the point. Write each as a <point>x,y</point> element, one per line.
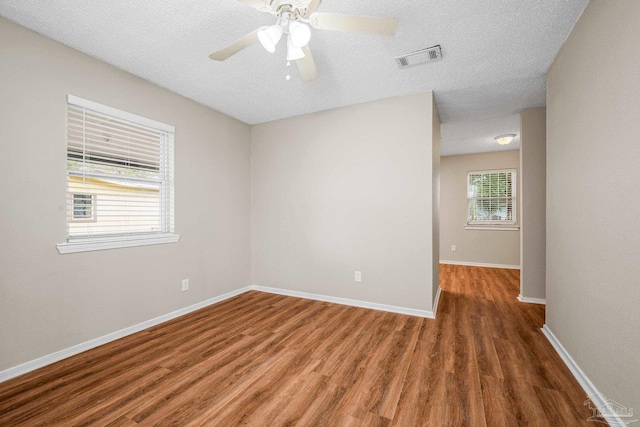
<point>294,18</point>
<point>505,139</point>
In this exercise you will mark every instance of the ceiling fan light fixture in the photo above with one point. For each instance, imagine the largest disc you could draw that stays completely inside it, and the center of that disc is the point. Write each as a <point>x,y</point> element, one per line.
<point>295,19</point>
<point>299,33</point>
<point>270,36</point>
<point>293,52</point>
<point>505,139</point>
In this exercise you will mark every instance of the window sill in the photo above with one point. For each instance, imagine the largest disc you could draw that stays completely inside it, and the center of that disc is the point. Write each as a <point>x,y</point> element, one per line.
<point>115,242</point>
<point>493,227</point>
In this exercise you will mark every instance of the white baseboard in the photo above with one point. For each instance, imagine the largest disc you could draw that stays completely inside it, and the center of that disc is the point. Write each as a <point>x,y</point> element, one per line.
<point>436,302</point>
<point>346,301</point>
<point>532,300</point>
<point>596,397</point>
<point>481,264</point>
<point>88,345</point>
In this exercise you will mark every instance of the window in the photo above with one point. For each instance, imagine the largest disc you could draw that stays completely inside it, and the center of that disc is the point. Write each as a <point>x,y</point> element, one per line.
<point>491,197</point>
<point>125,162</point>
<point>82,209</point>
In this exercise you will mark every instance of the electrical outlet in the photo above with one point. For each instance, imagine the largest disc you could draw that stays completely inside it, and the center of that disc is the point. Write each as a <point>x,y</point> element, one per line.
<point>453,248</point>
<point>358,276</point>
<point>185,285</point>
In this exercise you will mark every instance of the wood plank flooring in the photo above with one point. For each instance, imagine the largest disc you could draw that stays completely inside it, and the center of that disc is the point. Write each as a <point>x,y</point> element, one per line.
<point>268,360</point>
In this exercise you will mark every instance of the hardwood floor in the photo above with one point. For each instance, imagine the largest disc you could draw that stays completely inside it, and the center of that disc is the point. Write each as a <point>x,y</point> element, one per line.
<point>267,360</point>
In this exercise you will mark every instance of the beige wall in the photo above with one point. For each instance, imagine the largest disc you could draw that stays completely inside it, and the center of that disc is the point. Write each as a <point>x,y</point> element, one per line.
<point>435,199</point>
<point>593,232</point>
<point>49,301</point>
<point>344,190</point>
<point>474,246</point>
<point>533,164</point>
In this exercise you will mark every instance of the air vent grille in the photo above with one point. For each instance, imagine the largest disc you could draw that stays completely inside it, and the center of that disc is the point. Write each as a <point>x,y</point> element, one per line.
<point>433,53</point>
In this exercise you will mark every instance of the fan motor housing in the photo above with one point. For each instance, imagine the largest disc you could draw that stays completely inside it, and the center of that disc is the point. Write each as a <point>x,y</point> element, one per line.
<point>295,7</point>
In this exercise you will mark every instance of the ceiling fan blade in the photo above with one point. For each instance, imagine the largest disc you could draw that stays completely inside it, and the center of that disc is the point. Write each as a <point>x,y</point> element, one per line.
<point>235,47</point>
<point>313,6</point>
<point>307,66</point>
<point>355,23</point>
<point>262,5</point>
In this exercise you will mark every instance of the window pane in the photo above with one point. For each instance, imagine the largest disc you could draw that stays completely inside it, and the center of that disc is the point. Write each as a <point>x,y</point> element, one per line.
<point>490,196</point>
<point>82,206</point>
<point>124,165</point>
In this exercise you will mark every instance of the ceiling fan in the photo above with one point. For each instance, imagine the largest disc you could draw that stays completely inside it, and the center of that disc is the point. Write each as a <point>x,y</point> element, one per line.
<point>293,17</point>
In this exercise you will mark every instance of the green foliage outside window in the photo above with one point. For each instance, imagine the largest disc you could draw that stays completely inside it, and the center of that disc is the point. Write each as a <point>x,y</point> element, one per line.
<point>490,197</point>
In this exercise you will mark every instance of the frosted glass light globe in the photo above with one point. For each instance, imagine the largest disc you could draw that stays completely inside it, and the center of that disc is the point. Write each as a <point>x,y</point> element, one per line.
<point>300,34</point>
<point>269,37</point>
<point>293,51</point>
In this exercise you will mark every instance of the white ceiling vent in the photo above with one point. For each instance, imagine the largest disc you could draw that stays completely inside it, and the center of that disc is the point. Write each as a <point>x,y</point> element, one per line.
<point>418,57</point>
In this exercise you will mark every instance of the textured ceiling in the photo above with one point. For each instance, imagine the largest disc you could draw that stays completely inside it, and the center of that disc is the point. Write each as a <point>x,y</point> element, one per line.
<point>495,55</point>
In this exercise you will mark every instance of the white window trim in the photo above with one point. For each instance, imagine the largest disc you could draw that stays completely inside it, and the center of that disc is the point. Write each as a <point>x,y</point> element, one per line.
<point>105,243</point>
<point>492,227</point>
<point>104,109</point>
<point>496,225</point>
<point>115,242</point>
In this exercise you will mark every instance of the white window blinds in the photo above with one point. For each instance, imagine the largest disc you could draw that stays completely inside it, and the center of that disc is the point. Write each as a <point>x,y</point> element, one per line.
<point>119,173</point>
<point>491,197</point>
